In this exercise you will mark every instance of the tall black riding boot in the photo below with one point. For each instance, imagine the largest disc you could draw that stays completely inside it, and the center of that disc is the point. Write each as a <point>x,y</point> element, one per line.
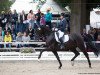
<point>61,44</point>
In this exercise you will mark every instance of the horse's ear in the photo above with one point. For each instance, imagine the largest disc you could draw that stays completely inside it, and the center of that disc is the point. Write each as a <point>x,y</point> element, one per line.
<point>47,25</point>
<point>54,29</point>
<point>39,28</point>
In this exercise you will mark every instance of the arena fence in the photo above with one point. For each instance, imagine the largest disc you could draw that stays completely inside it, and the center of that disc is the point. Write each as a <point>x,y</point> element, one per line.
<point>45,56</point>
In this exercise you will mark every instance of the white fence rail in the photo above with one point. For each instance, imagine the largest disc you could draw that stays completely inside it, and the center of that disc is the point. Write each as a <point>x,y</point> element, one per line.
<point>14,43</point>
<point>45,56</point>
<point>33,42</point>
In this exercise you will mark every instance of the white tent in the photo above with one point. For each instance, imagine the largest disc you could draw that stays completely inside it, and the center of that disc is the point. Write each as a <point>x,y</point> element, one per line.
<point>25,5</point>
<point>55,8</point>
<point>68,9</point>
<point>95,19</point>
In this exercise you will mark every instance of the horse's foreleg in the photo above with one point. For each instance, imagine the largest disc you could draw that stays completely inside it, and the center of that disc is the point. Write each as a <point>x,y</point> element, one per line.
<point>40,54</point>
<point>56,54</point>
<point>87,56</point>
<point>76,54</point>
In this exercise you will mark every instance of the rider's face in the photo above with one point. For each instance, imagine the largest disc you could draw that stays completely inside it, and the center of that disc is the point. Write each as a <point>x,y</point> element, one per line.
<point>61,17</point>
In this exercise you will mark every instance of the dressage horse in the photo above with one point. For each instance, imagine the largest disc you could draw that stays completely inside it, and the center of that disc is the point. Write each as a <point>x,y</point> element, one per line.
<point>75,40</point>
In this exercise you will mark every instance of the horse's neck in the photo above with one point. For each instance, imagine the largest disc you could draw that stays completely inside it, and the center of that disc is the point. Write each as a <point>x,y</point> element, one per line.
<point>50,38</point>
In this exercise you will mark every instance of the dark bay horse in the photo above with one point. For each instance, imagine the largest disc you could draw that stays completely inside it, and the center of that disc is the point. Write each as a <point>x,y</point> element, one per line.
<point>75,40</point>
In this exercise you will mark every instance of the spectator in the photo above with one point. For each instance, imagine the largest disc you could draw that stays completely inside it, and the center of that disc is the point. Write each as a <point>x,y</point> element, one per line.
<point>2,32</point>
<point>22,18</point>
<point>9,18</point>
<point>1,39</point>
<point>15,19</point>
<point>99,31</point>
<point>30,31</point>
<point>25,38</point>
<point>84,34</point>
<point>63,23</point>
<point>19,39</point>
<point>42,20</point>
<point>3,19</point>
<point>98,43</point>
<point>0,21</point>
<point>38,16</point>
<point>7,29</point>
<point>7,38</point>
<point>90,36</point>
<point>98,38</point>
<point>95,34</point>
<point>48,18</point>
<point>31,18</point>
<point>13,32</point>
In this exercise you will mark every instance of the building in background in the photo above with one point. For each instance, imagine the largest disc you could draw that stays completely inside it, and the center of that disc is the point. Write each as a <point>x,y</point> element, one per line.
<point>95,18</point>
<point>25,5</point>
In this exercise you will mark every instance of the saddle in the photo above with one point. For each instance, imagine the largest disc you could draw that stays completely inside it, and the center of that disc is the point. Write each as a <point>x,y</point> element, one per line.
<point>61,38</point>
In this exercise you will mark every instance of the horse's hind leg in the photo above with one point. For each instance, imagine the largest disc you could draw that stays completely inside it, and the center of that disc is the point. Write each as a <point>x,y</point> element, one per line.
<point>40,54</point>
<point>76,54</point>
<point>56,54</point>
<point>87,56</point>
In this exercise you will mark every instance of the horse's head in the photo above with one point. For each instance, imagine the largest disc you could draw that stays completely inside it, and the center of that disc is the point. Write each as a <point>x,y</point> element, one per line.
<point>51,38</point>
<point>43,32</point>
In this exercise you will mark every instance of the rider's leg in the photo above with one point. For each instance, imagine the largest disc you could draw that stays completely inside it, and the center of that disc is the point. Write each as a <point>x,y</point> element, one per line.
<point>61,43</point>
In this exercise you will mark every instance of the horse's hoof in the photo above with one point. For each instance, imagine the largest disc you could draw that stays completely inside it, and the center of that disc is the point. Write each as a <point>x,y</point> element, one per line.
<point>59,67</point>
<point>90,67</point>
<point>38,60</point>
<point>72,62</point>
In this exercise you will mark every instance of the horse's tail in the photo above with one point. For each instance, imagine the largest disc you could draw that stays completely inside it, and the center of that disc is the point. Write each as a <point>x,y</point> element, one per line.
<point>92,46</point>
<point>80,43</point>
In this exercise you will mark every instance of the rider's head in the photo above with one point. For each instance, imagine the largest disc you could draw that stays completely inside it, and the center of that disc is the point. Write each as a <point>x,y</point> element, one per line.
<point>62,15</point>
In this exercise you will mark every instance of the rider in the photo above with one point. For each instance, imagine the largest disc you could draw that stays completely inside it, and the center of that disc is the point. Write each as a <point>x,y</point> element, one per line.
<point>62,28</point>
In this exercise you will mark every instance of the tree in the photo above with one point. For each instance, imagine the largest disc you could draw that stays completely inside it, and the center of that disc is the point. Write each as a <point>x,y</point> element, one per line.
<point>63,3</point>
<point>90,3</point>
<point>5,5</point>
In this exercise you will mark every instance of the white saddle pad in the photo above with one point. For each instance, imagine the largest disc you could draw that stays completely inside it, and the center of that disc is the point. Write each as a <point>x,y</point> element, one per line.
<point>66,37</point>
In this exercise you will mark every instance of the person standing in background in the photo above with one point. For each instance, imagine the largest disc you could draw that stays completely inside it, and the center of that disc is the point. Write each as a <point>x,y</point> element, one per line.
<point>3,19</point>
<point>1,39</point>
<point>48,18</point>
<point>38,16</point>
<point>9,17</point>
<point>15,19</point>
<point>2,32</point>
<point>31,18</point>
<point>21,19</point>
<point>42,20</point>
